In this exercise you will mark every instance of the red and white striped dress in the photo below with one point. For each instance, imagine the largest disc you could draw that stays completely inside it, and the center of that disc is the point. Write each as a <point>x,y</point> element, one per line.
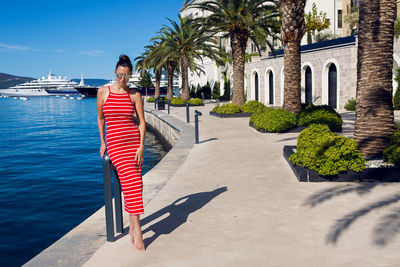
<point>123,140</point>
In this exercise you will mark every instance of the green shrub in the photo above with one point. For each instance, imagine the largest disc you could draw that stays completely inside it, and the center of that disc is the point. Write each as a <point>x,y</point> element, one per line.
<point>206,90</point>
<point>327,153</point>
<point>252,106</point>
<point>216,93</point>
<point>229,108</point>
<point>152,99</point>
<point>227,90</point>
<point>196,102</point>
<point>273,120</point>
<point>178,101</point>
<point>350,105</point>
<point>320,115</point>
<point>192,92</point>
<point>198,91</point>
<point>391,153</point>
<point>396,100</point>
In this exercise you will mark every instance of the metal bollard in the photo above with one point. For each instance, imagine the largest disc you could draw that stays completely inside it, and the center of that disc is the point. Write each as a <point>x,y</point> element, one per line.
<point>196,125</point>
<point>108,198</point>
<point>107,168</point>
<point>187,112</point>
<point>118,203</point>
<point>169,103</point>
<point>155,103</point>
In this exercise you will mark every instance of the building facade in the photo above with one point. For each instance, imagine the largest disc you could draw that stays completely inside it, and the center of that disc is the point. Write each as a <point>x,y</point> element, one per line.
<point>328,69</point>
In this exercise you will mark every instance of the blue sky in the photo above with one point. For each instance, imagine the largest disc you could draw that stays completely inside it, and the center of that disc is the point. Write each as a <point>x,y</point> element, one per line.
<point>70,37</point>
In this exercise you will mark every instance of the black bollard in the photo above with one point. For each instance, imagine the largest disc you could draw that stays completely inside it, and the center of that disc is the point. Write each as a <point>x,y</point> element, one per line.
<point>187,112</point>
<point>155,103</point>
<point>169,103</point>
<point>118,203</point>
<point>196,125</point>
<point>108,168</point>
<point>108,198</point>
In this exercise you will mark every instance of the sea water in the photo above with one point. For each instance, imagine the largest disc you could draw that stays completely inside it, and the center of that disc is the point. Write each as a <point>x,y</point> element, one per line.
<point>51,172</point>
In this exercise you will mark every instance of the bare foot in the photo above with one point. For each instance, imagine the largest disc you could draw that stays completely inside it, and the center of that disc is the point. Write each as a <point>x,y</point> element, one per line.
<point>138,240</point>
<point>132,236</point>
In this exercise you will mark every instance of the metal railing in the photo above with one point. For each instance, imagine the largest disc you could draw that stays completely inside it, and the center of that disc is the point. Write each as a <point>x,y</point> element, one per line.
<point>109,171</point>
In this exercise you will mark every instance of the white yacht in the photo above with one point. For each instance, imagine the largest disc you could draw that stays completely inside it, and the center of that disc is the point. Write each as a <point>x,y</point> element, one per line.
<point>46,86</point>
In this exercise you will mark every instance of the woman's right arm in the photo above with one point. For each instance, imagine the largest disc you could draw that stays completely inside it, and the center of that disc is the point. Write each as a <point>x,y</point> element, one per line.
<point>100,119</point>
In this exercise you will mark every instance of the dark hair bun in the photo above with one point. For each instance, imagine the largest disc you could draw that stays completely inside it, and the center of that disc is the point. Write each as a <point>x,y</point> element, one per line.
<point>124,61</point>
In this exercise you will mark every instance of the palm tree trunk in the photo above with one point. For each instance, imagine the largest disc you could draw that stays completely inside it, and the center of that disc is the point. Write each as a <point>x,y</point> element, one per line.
<point>292,31</point>
<point>374,109</point>
<point>238,45</point>
<point>170,73</point>
<point>292,77</point>
<point>158,80</point>
<point>185,78</point>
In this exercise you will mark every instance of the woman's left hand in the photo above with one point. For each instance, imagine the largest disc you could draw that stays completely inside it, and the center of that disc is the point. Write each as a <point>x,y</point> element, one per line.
<point>139,156</point>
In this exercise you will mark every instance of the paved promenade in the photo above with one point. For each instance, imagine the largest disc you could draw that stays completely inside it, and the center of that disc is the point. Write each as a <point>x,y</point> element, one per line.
<point>236,202</point>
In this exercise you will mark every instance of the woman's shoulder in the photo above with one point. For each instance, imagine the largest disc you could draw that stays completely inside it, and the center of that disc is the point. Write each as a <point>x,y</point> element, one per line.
<point>102,89</point>
<point>134,93</point>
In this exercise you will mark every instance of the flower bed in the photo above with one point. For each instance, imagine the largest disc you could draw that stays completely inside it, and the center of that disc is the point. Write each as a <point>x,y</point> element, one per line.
<point>231,110</point>
<point>230,115</point>
<point>178,102</point>
<point>387,174</point>
<point>273,120</point>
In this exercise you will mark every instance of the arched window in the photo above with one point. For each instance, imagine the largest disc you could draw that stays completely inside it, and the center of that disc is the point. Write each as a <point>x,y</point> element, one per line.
<point>332,86</point>
<point>256,86</point>
<point>308,85</point>
<point>271,87</point>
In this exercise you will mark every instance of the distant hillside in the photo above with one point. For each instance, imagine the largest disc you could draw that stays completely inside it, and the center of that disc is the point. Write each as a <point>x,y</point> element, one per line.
<point>93,82</point>
<point>8,80</point>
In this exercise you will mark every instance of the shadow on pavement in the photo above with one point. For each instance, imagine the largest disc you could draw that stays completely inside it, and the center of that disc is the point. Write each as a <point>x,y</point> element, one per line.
<point>208,140</point>
<point>386,229</point>
<point>177,212</point>
<point>327,194</point>
<point>381,236</point>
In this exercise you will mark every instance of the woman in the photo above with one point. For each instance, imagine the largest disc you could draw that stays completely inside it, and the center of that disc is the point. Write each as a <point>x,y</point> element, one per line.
<point>116,105</point>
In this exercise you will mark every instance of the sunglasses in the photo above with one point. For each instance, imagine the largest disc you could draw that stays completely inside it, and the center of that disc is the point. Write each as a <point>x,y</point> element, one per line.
<point>126,76</point>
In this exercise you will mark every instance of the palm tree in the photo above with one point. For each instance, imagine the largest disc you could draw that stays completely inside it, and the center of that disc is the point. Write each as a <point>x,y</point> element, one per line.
<point>240,20</point>
<point>151,59</point>
<point>293,29</point>
<point>167,59</point>
<point>374,109</point>
<point>187,42</point>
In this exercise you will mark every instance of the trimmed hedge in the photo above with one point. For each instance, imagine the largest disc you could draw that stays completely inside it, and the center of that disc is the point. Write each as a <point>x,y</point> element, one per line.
<point>152,99</point>
<point>350,105</point>
<point>229,108</point>
<point>252,106</point>
<point>391,153</point>
<point>320,115</point>
<point>178,101</point>
<point>273,120</point>
<point>196,102</point>
<point>327,153</point>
